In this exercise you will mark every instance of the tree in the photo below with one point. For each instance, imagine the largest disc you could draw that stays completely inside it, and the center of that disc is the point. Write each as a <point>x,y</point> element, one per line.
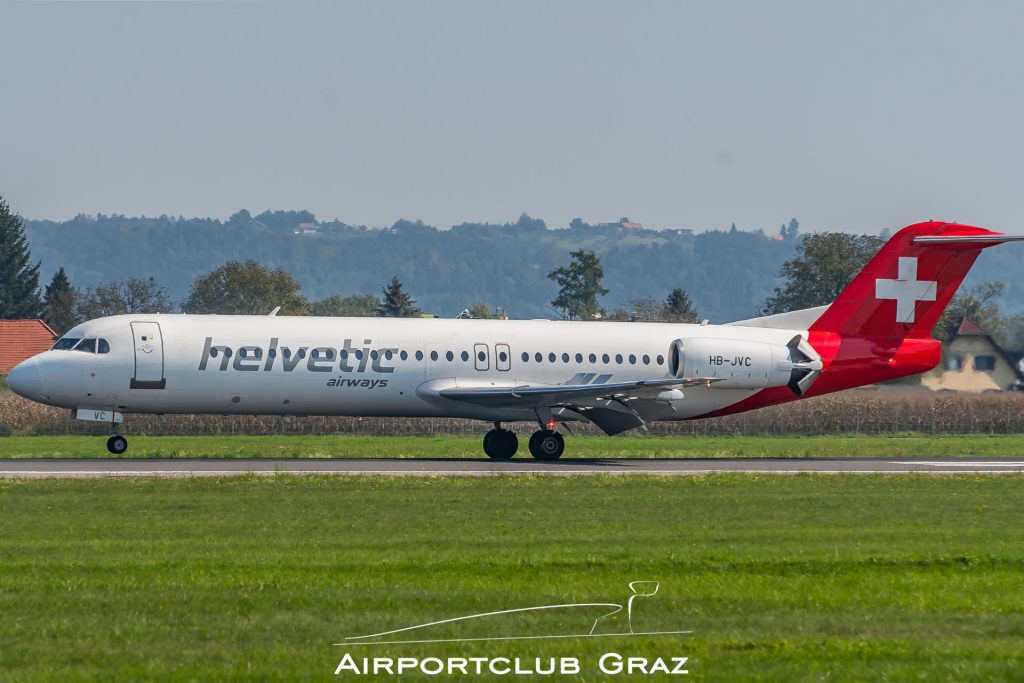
<point>355,306</point>
<point>59,303</point>
<point>396,302</point>
<point>19,277</point>
<point>645,310</point>
<point>245,289</point>
<point>679,307</point>
<point>977,303</point>
<point>824,265</point>
<point>579,285</point>
<point>790,231</point>
<point>480,310</point>
<point>1011,333</point>
<point>131,295</point>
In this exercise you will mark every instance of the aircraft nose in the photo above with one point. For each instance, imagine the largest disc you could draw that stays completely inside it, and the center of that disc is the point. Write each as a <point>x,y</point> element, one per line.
<point>24,380</point>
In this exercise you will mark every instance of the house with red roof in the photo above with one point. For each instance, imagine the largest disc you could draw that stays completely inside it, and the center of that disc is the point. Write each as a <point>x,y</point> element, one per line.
<point>973,361</point>
<point>21,339</point>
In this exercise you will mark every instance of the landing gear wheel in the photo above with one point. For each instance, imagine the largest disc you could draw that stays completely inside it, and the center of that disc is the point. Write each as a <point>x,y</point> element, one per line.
<point>501,444</point>
<point>117,444</point>
<point>547,444</point>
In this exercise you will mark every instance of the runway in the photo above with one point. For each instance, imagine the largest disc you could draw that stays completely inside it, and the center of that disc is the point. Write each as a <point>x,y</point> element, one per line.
<point>200,467</point>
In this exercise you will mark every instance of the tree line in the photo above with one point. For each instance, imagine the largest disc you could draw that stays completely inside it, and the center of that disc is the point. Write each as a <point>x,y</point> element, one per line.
<point>820,266</point>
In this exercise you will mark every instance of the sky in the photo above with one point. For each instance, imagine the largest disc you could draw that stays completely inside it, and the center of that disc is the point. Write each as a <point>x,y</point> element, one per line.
<point>851,116</point>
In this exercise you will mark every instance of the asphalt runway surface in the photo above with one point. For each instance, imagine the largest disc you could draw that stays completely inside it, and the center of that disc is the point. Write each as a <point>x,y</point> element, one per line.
<point>193,467</point>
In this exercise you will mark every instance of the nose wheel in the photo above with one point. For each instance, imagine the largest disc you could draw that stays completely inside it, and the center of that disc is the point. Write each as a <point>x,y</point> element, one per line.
<point>547,444</point>
<point>117,444</point>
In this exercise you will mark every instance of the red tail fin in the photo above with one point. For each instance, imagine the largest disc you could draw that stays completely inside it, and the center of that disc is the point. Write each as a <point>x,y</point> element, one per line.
<point>907,285</point>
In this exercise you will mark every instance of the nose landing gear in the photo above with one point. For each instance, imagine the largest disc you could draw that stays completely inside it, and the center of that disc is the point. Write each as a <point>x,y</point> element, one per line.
<point>117,444</point>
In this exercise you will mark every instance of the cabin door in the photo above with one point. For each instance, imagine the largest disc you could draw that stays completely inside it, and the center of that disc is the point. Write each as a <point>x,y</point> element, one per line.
<point>149,357</point>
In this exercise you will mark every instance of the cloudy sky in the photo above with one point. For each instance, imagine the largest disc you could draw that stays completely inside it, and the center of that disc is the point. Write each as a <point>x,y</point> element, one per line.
<point>848,115</point>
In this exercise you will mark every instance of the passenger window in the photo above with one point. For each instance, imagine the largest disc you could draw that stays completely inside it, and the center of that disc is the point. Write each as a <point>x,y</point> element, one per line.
<point>647,359</point>
<point>450,356</point>
<point>632,359</point>
<point>419,355</point>
<point>661,360</point>
<point>593,358</point>
<point>104,347</point>
<point>537,357</point>
<point>465,356</point>
<point>87,345</point>
<point>579,357</point>
<point>618,358</point>
<point>526,357</point>
<point>433,355</point>
<point>604,359</point>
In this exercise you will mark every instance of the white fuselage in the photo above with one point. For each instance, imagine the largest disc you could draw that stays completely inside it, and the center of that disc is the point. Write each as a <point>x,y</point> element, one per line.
<point>280,365</point>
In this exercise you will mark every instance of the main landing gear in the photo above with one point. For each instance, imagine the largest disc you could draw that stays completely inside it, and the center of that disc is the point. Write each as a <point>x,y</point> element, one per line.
<point>502,444</point>
<point>117,444</point>
<point>547,444</point>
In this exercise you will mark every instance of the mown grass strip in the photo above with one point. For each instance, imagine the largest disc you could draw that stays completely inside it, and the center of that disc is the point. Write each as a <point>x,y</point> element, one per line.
<point>254,578</point>
<point>631,446</point>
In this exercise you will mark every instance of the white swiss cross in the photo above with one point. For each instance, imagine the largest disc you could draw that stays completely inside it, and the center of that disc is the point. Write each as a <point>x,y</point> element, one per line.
<point>906,289</point>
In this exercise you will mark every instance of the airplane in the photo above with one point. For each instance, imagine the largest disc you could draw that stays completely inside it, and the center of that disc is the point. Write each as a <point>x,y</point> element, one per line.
<point>616,375</point>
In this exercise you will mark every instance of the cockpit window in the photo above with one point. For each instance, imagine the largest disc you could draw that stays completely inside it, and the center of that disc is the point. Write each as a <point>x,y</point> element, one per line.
<point>87,345</point>
<point>103,347</point>
<point>65,343</point>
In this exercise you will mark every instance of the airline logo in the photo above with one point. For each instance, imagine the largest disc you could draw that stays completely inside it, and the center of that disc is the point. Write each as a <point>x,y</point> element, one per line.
<point>347,358</point>
<point>906,289</point>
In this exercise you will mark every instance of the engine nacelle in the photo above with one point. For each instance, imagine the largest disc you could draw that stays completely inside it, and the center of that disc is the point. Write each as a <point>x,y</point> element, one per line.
<point>742,364</point>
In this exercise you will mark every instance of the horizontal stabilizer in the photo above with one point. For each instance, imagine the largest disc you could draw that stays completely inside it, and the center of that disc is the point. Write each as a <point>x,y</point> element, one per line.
<point>971,240</point>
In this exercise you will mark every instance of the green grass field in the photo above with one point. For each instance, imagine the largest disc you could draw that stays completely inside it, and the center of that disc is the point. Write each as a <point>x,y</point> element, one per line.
<point>632,446</point>
<point>861,577</point>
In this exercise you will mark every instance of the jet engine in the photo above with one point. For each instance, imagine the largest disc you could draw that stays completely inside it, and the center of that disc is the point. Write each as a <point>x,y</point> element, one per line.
<point>740,364</point>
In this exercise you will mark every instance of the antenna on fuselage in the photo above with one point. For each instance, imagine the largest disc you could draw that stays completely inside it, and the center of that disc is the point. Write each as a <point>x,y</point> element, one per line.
<point>274,312</point>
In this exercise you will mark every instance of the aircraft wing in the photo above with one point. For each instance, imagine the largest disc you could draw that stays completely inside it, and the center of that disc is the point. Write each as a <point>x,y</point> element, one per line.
<point>536,396</point>
<point>606,405</point>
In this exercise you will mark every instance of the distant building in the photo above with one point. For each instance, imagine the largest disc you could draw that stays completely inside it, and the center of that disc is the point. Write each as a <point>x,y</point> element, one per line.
<point>307,229</point>
<point>974,362</point>
<point>21,339</point>
<point>622,223</point>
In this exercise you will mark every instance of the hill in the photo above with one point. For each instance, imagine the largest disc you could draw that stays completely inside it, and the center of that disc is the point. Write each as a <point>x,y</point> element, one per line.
<point>728,273</point>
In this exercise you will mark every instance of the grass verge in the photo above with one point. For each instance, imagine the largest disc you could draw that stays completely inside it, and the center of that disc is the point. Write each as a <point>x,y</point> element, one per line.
<point>254,578</point>
<point>632,446</point>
